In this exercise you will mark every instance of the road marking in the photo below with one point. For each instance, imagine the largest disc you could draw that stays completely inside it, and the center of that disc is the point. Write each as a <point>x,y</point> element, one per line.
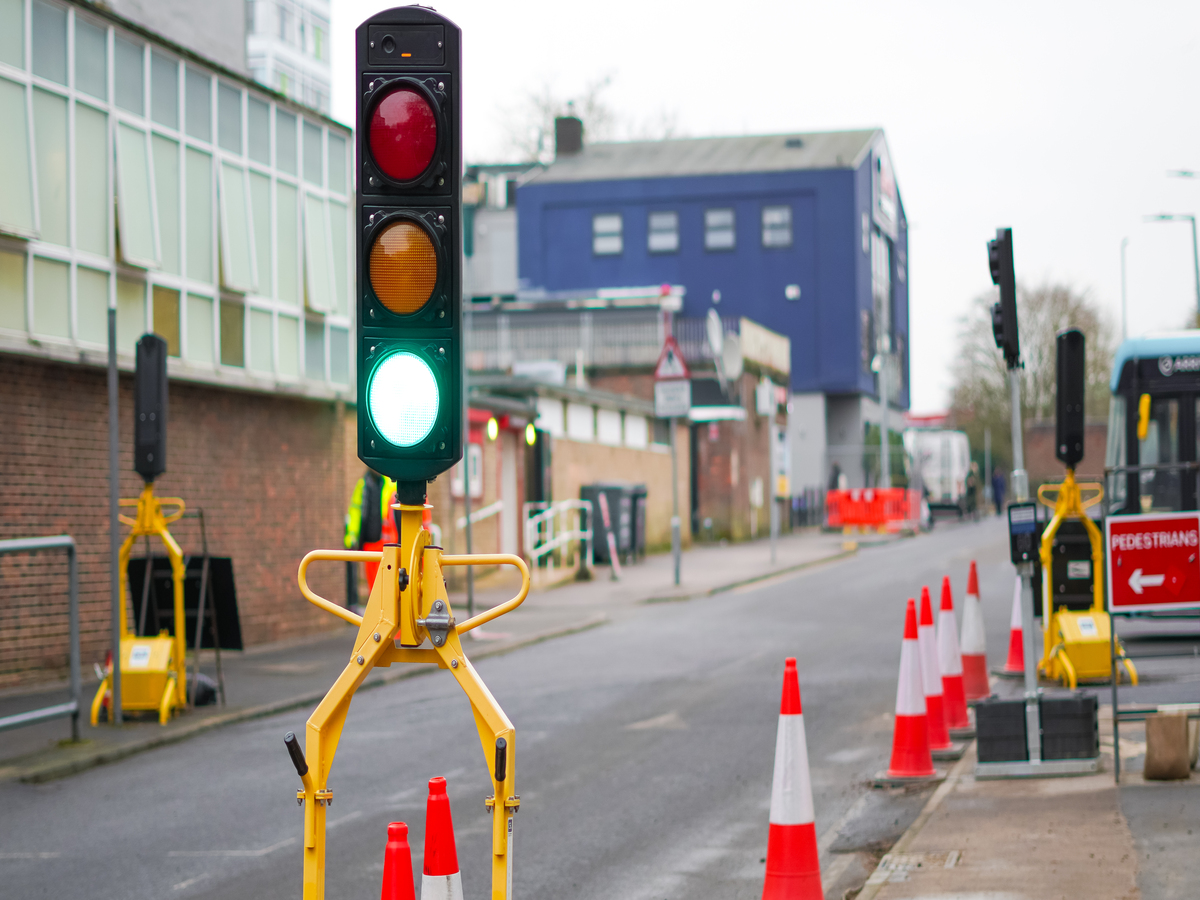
<point>30,855</point>
<point>346,818</point>
<point>667,721</point>
<point>236,854</point>
<point>187,884</point>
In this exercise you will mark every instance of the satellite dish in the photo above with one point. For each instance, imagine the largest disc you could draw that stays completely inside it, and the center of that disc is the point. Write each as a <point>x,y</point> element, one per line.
<point>716,334</point>
<point>731,358</point>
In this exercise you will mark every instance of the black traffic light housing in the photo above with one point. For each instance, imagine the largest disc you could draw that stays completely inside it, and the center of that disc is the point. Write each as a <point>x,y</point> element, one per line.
<point>414,53</point>
<point>150,407</point>
<point>1069,400</point>
<point>1004,313</point>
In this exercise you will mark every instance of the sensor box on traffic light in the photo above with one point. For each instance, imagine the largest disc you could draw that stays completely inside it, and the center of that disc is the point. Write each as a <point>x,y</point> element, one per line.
<point>150,407</point>
<point>1069,400</point>
<point>408,158</point>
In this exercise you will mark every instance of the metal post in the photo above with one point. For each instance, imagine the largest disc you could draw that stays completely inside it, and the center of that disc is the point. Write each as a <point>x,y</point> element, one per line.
<point>73,614</point>
<point>466,464</point>
<point>1196,266</point>
<point>1112,650</point>
<point>114,535</point>
<point>770,492</point>
<point>1124,313</point>
<point>885,465</point>
<point>1020,494</point>
<point>676,537</point>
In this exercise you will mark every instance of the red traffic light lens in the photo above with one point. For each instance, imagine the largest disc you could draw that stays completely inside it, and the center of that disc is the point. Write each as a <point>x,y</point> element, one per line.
<point>403,134</point>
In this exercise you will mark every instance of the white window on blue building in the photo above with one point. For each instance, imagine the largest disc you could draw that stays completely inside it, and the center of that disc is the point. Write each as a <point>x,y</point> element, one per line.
<point>777,226</point>
<point>718,229</point>
<point>606,235</point>
<point>663,232</point>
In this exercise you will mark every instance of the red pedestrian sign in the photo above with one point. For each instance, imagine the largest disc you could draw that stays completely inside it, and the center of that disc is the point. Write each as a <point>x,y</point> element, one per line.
<point>1153,561</point>
<point>670,364</point>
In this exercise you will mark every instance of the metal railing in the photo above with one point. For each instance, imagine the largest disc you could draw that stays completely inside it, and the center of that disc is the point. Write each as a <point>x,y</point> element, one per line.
<point>549,531</point>
<point>477,516</point>
<point>71,707</point>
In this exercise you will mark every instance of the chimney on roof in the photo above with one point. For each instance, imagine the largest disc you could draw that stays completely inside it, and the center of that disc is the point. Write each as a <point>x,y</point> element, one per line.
<point>568,135</point>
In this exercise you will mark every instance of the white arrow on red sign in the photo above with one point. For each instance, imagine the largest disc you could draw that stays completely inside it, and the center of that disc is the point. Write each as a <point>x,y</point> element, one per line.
<point>1138,581</point>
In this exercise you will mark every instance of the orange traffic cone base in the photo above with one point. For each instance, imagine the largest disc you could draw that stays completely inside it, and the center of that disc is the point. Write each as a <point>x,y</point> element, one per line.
<point>799,876</point>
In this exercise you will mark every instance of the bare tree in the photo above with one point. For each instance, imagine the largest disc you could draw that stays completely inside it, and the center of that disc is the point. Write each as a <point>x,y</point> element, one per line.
<point>529,128</point>
<point>980,397</point>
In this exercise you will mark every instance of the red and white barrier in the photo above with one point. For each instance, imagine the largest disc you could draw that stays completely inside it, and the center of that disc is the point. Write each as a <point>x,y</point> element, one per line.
<point>910,739</point>
<point>793,864</point>
<point>950,660</point>
<point>974,645</point>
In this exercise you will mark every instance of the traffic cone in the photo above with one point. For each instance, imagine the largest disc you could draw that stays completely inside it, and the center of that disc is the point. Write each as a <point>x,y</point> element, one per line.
<point>910,740</point>
<point>440,879</point>
<point>397,865</point>
<point>793,865</point>
<point>931,678</point>
<point>954,701</point>
<point>1016,642</point>
<point>974,646</point>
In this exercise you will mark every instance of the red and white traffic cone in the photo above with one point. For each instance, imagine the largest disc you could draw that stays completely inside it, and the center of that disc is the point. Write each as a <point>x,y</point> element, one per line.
<point>793,864</point>
<point>440,878</point>
<point>954,701</point>
<point>910,739</point>
<point>1016,640</point>
<point>397,865</point>
<point>974,645</point>
<point>940,746</point>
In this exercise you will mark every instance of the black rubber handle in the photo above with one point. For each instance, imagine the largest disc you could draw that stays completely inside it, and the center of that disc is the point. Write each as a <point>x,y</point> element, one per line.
<point>501,759</point>
<point>296,753</point>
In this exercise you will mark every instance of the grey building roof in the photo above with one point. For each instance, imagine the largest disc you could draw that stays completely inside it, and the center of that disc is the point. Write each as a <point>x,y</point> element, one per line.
<point>711,156</point>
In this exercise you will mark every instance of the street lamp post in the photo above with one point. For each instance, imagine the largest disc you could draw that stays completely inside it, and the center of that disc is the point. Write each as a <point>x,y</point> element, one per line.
<point>1184,217</point>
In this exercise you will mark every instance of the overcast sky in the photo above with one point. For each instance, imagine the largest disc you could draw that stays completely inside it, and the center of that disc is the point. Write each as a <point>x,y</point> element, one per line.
<point>1059,120</point>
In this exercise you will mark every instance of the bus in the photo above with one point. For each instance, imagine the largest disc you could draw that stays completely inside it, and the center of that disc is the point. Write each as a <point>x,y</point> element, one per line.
<point>1155,378</point>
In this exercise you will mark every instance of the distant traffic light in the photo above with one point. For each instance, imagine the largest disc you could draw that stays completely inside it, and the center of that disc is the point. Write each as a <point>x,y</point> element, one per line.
<point>150,407</point>
<point>408,156</point>
<point>1004,313</point>
<point>1069,397</point>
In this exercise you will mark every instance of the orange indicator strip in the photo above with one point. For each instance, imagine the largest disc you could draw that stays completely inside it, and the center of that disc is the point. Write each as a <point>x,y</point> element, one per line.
<point>406,54</point>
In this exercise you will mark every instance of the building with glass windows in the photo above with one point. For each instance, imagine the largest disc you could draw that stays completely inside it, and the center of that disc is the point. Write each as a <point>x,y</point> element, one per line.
<point>802,233</point>
<point>287,48</point>
<point>206,208</point>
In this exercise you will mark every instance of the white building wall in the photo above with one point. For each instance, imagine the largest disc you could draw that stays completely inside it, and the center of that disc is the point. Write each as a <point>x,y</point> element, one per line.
<point>807,440</point>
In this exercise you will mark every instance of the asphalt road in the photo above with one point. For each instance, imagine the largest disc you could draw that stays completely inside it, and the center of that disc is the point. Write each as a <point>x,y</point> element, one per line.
<point>643,753</point>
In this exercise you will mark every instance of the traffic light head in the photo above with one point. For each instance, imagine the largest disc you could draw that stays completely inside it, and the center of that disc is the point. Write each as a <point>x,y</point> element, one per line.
<point>1069,397</point>
<point>1004,313</point>
<point>150,407</point>
<point>408,155</point>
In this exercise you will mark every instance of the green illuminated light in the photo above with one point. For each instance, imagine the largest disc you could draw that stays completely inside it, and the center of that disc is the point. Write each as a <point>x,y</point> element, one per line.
<point>403,399</point>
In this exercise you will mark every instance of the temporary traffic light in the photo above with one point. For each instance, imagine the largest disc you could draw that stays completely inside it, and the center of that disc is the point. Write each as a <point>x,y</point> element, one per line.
<point>150,407</point>
<point>1004,313</point>
<point>408,154</point>
<point>1068,428</point>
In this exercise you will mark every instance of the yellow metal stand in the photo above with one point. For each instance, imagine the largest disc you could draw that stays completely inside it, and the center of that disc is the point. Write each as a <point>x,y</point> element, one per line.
<point>153,669</point>
<point>403,611</point>
<point>1076,644</point>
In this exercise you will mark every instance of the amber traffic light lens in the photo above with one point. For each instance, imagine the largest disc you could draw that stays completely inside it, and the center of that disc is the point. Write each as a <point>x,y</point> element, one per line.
<point>404,268</point>
<point>403,134</point>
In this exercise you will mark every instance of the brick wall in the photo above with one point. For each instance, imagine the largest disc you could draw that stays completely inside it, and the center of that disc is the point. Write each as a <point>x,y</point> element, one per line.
<point>576,463</point>
<point>1044,467</point>
<point>270,472</point>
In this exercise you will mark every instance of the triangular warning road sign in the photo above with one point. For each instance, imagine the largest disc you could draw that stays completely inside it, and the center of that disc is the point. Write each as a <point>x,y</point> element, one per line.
<point>670,362</point>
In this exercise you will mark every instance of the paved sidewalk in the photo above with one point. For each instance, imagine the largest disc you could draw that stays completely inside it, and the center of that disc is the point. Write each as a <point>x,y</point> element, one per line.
<point>1049,838</point>
<point>272,678</point>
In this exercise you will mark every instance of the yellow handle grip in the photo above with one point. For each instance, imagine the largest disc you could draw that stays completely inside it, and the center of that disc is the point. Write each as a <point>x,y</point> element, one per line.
<point>344,556</point>
<point>491,559</point>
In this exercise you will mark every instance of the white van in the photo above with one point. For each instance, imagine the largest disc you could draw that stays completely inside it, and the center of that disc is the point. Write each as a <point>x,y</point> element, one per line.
<point>941,460</point>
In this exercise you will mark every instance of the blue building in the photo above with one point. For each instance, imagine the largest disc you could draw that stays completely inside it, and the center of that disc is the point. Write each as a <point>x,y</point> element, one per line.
<point>803,233</point>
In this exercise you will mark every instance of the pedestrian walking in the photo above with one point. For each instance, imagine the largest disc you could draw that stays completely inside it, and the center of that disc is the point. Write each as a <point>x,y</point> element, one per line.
<point>998,488</point>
